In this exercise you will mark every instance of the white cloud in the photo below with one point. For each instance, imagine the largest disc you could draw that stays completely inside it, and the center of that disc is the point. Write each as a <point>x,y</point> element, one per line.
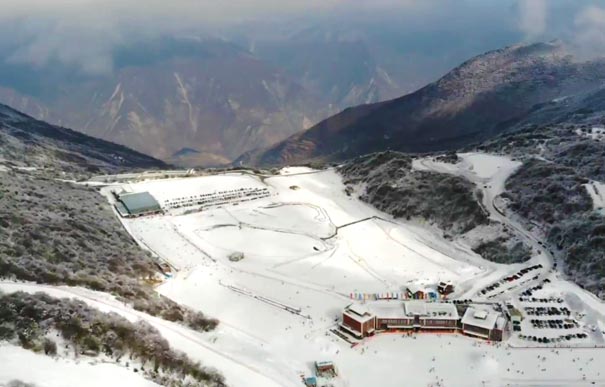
<point>590,32</point>
<point>85,43</point>
<point>533,18</point>
<point>199,9</point>
<point>84,32</point>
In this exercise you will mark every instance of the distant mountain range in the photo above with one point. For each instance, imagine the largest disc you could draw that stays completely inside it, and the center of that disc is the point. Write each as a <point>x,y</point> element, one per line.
<point>201,101</point>
<point>170,94</point>
<point>204,102</point>
<point>204,99</point>
<point>484,96</point>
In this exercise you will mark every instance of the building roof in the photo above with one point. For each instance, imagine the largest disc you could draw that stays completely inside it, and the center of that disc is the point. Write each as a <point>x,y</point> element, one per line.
<point>413,308</point>
<point>358,313</point>
<point>481,314</point>
<point>413,288</point>
<point>358,309</point>
<point>139,203</point>
<point>325,363</point>
<point>121,209</point>
<point>445,284</point>
<point>388,309</point>
<point>481,318</point>
<point>440,310</point>
<point>404,310</point>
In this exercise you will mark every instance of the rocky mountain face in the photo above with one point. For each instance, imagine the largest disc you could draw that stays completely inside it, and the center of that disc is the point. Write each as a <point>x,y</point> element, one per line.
<point>27,142</point>
<point>479,99</point>
<point>164,96</point>
<point>340,67</point>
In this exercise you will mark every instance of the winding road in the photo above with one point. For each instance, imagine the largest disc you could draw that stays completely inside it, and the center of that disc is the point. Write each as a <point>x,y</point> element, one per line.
<point>491,189</point>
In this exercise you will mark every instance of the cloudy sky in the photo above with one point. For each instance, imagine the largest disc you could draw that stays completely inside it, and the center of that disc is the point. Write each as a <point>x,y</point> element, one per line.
<point>84,32</point>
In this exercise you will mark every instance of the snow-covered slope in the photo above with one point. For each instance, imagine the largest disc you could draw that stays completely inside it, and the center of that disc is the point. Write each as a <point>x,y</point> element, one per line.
<point>44,371</point>
<point>211,349</point>
<point>309,246</point>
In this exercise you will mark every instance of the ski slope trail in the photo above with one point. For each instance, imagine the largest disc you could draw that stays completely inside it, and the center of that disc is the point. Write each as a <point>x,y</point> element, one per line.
<point>238,370</point>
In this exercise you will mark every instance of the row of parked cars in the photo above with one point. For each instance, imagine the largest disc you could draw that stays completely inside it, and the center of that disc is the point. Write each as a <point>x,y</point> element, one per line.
<point>548,300</point>
<point>547,311</point>
<point>515,277</point>
<point>523,272</point>
<point>529,292</point>
<point>554,324</point>
<point>558,339</point>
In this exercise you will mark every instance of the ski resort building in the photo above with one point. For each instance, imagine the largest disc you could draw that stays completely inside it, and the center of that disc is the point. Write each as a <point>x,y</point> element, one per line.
<point>130,205</point>
<point>416,315</point>
<point>384,316</point>
<point>363,321</point>
<point>483,323</point>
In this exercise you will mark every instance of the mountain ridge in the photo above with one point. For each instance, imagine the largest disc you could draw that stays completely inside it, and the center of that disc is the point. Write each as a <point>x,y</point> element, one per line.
<point>29,142</point>
<point>473,102</point>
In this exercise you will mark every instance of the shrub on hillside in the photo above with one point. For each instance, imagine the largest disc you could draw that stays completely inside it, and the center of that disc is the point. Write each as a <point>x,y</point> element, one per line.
<point>61,233</point>
<point>29,318</point>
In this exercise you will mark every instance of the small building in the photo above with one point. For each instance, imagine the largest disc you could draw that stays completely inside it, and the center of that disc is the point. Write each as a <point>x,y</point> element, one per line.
<point>445,288</point>
<point>416,292</point>
<point>137,204</point>
<point>358,321</point>
<point>484,323</point>
<point>431,294</point>
<point>325,369</point>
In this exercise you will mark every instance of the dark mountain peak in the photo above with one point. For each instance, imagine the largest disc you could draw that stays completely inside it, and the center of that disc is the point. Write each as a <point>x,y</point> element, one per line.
<point>474,101</point>
<point>10,115</point>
